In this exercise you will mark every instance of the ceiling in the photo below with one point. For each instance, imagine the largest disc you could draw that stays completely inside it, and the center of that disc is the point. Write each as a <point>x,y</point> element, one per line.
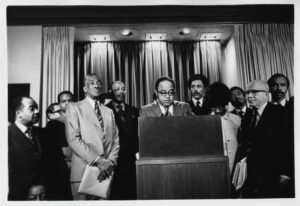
<point>139,31</point>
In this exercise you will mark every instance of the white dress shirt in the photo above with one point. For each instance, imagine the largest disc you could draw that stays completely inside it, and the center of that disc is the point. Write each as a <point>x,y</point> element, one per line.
<point>195,101</point>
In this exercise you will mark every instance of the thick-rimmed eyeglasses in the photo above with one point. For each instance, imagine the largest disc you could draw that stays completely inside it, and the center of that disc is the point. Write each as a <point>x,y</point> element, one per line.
<point>164,93</point>
<point>253,91</point>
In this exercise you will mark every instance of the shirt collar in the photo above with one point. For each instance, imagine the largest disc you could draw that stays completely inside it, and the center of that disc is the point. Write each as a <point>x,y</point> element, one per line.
<point>283,102</point>
<point>262,108</point>
<point>22,127</point>
<point>92,102</point>
<point>195,101</point>
<point>243,110</point>
<point>163,110</point>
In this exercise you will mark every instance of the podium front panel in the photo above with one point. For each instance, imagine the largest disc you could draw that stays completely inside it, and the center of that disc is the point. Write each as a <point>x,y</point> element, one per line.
<point>183,178</point>
<point>180,136</point>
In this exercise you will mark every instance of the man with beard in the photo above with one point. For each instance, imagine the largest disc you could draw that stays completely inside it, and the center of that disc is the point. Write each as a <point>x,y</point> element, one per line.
<point>25,156</point>
<point>165,106</point>
<point>198,84</point>
<point>126,116</point>
<point>238,100</point>
<point>92,134</point>
<point>261,140</point>
<point>279,85</point>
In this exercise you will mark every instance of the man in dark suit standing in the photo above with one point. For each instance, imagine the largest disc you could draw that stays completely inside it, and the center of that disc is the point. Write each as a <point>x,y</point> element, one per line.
<point>261,136</point>
<point>25,155</point>
<point>279,85</point>
<point>165,104</point>
<point>126,117</point>
<point>238,100</point>
<point>58,173</point>
<point>198,84</point>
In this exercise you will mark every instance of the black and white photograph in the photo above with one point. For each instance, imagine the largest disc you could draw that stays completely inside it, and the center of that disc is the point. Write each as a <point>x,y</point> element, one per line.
<point>149,102</point>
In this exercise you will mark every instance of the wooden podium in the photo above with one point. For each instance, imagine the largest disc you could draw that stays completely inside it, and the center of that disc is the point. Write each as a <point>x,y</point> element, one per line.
<point>182,158</point>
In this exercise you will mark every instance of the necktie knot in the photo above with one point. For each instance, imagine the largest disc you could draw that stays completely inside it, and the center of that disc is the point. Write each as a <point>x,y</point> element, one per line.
<point>29,132</point>
<point>120,107</point>
<point>198,103</point>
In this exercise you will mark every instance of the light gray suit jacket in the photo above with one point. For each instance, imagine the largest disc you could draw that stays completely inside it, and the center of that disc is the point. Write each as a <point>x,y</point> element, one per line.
<point>153,109</point>
<point>86,137</point>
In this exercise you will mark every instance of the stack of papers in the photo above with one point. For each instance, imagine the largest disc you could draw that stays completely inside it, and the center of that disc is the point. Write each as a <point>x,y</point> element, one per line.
<point>240,174</point>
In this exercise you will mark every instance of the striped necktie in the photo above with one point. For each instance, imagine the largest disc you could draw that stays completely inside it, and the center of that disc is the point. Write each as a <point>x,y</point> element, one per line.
<point>98,114</point>
<point>167,112</point>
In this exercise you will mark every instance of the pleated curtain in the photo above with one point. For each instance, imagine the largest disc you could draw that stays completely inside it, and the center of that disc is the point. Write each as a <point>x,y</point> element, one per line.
<point>57,65</point>
<point>140,64</point>
<point>263,50</point>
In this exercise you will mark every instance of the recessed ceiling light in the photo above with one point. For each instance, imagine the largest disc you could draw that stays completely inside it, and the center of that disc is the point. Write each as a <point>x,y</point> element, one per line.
<point>102,37</point>
<point>127,32</point>
<point>185,31</point>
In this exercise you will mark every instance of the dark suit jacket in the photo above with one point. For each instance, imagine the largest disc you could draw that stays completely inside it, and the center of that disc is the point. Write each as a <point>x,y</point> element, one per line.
<point>124,185</point>
<point>58,174</point>
<point>264,152</point>
<point>153,109</point>
<point>204,110</point>
<point>24,162</point>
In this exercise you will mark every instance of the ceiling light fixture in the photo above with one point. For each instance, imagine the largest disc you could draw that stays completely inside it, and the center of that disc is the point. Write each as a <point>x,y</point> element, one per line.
<point>185,31</point>
<point>156,36</point>
<point>127,32</point>
<point>210,36</point>
<point>102,37</point>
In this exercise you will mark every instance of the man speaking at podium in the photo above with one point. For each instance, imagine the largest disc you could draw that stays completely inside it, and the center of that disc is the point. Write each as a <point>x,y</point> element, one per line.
<point>165,106</point>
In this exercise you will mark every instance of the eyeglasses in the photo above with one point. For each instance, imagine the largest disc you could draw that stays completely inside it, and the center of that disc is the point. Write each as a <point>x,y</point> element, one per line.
<point>164,93</point>
<point>254,92</point>
<point>57,111</point>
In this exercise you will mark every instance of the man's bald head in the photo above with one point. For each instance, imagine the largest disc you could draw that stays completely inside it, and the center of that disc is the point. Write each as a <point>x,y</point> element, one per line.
<point>257,93</point>
<point>258,85</point>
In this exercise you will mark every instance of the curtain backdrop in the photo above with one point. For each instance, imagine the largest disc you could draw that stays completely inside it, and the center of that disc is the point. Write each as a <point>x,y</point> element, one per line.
<point>263,50</point>
<point>57,65</point>
<point>140,64</point>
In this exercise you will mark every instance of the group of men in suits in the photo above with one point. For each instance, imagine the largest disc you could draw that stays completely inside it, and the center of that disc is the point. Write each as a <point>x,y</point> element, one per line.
<point>107,134</point>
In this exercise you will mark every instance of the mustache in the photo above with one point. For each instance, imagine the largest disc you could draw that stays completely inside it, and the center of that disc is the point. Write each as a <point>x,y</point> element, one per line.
<point>196,93</point>
<point>279,92</point>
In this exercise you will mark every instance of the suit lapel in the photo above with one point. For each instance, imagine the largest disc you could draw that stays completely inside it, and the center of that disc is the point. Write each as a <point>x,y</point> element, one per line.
<point>264,116</point>
<point>105,116</point>
<point>23,139</point>
<point>157,110</point>
<point>37,137</point>
<point>176,109</point>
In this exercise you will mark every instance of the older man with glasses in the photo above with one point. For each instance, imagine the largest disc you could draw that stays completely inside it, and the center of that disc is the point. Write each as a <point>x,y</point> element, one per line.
<point>166,105</point>
<point>261,136</point>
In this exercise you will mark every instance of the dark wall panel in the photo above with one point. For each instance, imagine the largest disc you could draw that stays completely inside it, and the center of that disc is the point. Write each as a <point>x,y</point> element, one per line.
<point>68,15</point>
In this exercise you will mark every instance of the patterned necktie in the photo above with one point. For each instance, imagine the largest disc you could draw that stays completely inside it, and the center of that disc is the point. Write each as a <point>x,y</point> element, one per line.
<point>98,114</point>
<point>120,112</point>
<point>167,112</point>
<point>253,122</point>
<point>30,136</point>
